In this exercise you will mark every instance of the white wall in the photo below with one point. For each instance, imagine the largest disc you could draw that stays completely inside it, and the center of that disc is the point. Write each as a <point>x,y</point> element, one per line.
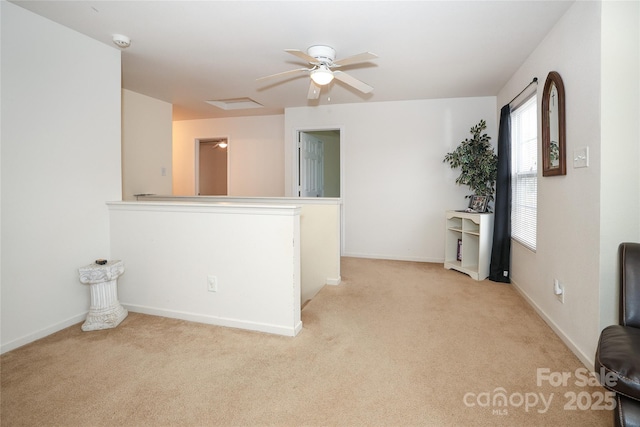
<point>169,249</point>
<point>319,234</point>
<point>576,211</point>
<point>396,187</point>
<point>60,135</point>
<point>146,145</point>
<point>620,136</point>
<point>254,154</point>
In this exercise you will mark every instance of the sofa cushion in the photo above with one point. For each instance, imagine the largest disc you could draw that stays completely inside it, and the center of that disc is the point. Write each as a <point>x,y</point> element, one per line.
<point>618,357</point>
<point>627,413</point>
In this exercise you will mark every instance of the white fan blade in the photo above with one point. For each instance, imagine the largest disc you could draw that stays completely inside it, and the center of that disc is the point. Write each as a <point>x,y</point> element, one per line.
<point>302,55</point>
<point>352,81</point>
<point>314,90</point>
<point>361,57</point>
<point>285,73</point>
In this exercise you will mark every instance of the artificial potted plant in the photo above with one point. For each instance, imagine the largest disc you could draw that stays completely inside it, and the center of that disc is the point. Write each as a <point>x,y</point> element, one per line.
<point>477,162</point>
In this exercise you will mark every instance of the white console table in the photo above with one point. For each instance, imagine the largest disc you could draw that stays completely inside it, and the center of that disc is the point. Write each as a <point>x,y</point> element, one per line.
<point>474,233</point>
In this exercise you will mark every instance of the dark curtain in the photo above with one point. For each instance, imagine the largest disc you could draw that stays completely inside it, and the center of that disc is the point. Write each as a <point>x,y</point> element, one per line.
<point>501,252</point>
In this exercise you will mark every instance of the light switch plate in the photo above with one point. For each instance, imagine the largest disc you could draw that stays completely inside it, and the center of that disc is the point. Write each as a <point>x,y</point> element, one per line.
<point>581,157</point>
<point>212,283</point>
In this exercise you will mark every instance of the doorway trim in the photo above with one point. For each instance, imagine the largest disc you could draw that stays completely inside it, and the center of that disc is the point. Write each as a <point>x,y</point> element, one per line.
<point>196,157</point>
<point>295,166</point>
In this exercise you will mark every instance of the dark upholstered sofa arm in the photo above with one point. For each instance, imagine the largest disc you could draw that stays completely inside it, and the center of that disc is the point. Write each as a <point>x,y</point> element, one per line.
<point>618,357</point>
<point>629,258</point>
<point>618,352</point>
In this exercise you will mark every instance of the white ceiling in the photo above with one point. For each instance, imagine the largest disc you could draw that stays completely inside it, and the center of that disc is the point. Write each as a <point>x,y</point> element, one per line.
<point>188,52</point>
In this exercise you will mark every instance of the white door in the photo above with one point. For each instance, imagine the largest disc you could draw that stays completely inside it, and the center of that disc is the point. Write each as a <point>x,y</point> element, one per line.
<point>311,174</point>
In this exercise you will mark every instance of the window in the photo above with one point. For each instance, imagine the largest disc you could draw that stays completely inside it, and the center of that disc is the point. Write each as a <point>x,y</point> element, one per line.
<point>524,172</point>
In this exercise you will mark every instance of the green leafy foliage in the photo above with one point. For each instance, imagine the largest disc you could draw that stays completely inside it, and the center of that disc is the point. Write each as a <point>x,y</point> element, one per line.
<point>477,162</point>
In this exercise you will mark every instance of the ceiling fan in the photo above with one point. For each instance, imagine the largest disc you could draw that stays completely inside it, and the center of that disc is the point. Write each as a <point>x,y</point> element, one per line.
<point>322,61</point>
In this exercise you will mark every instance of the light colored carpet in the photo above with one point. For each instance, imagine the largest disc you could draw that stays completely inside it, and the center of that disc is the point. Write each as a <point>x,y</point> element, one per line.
<point>397,344</point>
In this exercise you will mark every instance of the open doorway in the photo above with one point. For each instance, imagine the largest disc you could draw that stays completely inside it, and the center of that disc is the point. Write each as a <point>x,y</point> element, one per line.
<point>319,163</point>
<point>211,166</point>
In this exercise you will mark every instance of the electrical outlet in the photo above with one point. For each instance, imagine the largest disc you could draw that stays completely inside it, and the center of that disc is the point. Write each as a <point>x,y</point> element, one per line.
<point>212,283</point>
<point>558,290</point>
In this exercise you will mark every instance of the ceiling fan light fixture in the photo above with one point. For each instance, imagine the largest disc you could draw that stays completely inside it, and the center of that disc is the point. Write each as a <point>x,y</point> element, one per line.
<point>321,60</point>
<point>322,76</point>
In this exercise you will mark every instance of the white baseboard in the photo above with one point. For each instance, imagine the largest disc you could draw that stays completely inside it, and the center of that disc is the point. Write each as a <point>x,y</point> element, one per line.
<point>394,257</point>
<point>586,360</point>
<point>19,342</point>
<point>333,280</point>
<point>218,321</point>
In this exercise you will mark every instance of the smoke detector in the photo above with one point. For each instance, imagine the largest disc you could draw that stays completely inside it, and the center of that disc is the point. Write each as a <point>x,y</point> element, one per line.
<point>121,41</point>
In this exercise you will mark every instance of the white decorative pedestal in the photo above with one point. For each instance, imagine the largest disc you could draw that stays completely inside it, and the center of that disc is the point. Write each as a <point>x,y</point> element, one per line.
<point>105,311</point>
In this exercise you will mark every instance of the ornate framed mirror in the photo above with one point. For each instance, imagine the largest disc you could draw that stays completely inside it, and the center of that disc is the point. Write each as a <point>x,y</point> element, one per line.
<point>554,161</point>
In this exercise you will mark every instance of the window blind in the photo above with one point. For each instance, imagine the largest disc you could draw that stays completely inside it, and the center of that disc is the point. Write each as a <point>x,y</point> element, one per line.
<point>524,172</point>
